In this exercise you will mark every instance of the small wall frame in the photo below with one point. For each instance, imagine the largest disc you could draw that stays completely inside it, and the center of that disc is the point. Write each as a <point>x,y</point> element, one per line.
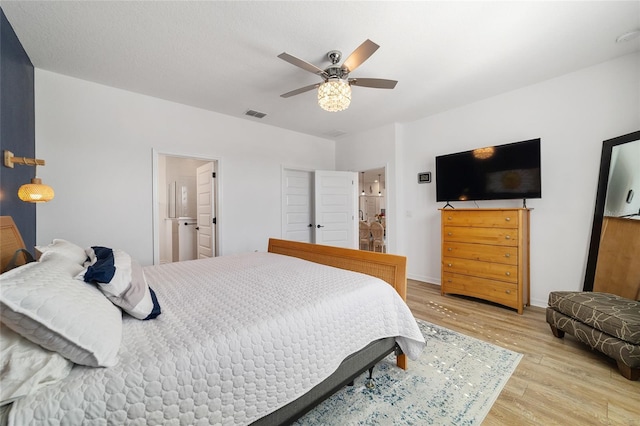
<point>424,177</point>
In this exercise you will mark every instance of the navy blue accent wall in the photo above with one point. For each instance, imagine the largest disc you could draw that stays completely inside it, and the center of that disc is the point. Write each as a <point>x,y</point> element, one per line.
<point>17,129</point>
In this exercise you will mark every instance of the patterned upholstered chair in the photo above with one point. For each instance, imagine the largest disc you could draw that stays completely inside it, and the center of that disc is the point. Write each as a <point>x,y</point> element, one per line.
<point>605,322</point>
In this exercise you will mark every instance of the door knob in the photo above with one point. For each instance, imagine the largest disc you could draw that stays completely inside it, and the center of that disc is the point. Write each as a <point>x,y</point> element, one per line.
<point>197,228</point>
<point>320,226</point>
<point>310,226</point>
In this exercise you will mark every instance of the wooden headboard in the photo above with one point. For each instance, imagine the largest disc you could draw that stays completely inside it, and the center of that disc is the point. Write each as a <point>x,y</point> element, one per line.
<point>10,241</point>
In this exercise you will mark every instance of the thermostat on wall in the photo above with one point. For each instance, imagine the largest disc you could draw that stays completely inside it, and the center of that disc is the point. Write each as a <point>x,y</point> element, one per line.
<point>424,177</point>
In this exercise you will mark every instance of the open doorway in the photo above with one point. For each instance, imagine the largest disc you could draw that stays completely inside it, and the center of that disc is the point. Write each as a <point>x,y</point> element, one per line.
<point>372,210</point>
<point>185,208</point>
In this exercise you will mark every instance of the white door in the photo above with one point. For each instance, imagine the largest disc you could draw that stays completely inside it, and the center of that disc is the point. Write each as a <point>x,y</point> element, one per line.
<point>335,209</point>
<point>297,208</point>
<point>206,227</point>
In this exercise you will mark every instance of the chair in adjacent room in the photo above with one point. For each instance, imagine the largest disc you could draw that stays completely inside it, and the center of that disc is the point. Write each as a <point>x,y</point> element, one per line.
<point>377,233</point>
<point>365,236</point>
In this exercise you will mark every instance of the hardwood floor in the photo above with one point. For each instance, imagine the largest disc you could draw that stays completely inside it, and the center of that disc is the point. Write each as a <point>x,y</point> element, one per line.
<point>558,381</point>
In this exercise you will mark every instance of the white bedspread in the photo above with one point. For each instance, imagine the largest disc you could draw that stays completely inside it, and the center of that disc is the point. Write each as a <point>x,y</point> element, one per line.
<point>239,337</point>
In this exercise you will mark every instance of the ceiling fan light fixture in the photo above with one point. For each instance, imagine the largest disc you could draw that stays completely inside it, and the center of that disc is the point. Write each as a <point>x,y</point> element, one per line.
<point>334,95</point>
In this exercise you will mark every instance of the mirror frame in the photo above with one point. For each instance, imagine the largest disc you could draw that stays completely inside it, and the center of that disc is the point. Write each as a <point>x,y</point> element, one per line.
<point>601,195</point>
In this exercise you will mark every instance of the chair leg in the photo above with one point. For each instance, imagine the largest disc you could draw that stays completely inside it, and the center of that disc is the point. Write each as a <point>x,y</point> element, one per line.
<point>556,332</point>
<point>628,372</point>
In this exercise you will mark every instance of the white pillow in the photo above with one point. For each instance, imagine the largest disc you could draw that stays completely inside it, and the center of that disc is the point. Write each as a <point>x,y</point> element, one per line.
<point>26,367</point>
<point>65,248</point>
<point>44,303</point>
<point>122,280</point>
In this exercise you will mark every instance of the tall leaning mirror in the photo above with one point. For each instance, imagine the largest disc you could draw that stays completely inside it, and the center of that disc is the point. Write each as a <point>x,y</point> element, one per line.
<point>613,265</point>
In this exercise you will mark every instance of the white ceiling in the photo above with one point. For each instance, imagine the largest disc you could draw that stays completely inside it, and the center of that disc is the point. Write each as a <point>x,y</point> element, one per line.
<point>222,55</point>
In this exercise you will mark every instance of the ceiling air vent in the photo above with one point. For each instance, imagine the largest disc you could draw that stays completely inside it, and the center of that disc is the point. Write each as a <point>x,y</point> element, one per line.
<point>334,133</point>
<point>255,114</point>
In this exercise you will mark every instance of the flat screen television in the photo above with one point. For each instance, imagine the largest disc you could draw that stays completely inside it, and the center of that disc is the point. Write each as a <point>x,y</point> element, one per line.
<point>492,173</point>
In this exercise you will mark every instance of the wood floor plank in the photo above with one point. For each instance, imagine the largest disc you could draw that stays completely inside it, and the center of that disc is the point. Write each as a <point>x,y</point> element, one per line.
<point>558,381</point>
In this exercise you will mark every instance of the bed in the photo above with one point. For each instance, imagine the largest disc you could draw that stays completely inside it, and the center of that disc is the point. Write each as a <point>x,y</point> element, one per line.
<point>255,338</point>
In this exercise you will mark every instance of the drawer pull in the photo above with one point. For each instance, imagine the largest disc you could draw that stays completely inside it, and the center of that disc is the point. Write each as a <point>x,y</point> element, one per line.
<point>508,273</point>
<point>449,281</point>
<point>449,233</point>
<point>507,237</point>
<point>508,219</point>
<point>448,264</point>
<point>449,218</point>
<point>449,249</point>
<point>507,255</point>
<point>508,291</point>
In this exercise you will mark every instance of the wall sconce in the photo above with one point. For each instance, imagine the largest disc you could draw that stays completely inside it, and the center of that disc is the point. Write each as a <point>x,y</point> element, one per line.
<point>36,191</point>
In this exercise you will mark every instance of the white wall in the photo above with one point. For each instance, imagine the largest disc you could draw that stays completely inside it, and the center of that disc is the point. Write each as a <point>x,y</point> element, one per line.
<point>573,115</point>
<point>98,141</point>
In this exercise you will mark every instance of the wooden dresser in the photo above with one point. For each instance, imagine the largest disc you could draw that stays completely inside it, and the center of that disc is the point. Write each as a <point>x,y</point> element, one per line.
<point>485,254</point>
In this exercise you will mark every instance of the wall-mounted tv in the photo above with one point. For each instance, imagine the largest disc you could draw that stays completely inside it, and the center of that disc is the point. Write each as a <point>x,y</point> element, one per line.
<point>492,173</point>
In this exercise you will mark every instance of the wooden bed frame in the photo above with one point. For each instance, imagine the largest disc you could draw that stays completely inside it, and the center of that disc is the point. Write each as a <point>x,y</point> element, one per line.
<point>388,267</point>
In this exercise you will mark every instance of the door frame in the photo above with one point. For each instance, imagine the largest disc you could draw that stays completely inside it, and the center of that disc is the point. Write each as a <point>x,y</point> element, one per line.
<point>156,153</point>
<point>390,211</point>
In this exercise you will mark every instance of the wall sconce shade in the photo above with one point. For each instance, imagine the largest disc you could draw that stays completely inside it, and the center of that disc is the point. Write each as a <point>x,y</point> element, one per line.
<point>334,95</point>
<point>36,191</point>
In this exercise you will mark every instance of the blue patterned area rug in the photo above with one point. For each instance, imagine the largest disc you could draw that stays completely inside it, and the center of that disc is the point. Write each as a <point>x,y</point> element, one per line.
<point>455,382</point>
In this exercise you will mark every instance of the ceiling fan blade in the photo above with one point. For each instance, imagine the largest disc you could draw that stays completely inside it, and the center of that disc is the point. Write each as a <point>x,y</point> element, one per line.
<point>361,54</point>
<point>300,90</point>
<point>376,83</point>
<point>300,63</point>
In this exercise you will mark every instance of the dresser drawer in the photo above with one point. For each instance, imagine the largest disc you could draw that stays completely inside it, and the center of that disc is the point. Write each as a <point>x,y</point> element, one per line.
<point>481,218</point>
<point>497,236</point>
<point>494,271</point>
<point>485,253</point>
<point>495,291</point>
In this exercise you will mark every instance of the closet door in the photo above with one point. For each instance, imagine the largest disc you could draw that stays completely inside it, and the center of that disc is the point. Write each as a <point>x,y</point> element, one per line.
<point>335,208</point>
<point>297,205</point>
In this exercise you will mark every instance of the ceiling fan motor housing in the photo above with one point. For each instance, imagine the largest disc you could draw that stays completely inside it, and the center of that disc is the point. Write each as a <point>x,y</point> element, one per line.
<point>334,72</point>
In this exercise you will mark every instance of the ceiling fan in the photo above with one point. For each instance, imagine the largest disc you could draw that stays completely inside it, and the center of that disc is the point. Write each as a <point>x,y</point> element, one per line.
<point>334,93</point>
